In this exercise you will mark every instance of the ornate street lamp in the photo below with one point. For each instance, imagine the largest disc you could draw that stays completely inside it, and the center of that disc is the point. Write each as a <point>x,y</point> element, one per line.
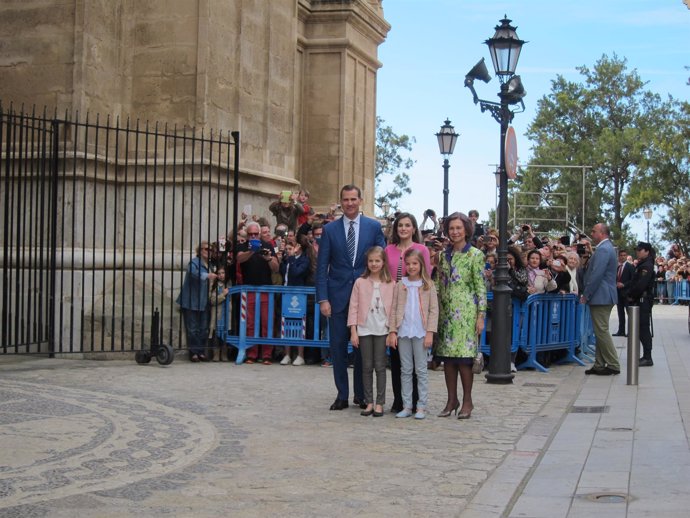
<point>647,215</point>
<point>505,47</point>
<point>446,145</point>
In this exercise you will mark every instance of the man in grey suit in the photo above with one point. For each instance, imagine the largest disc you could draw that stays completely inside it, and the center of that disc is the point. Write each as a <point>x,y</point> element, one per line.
<point>600,293</point>
<point>341,260</point>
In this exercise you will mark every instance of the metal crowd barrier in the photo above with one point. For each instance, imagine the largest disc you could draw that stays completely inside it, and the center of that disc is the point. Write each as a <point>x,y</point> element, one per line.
<point>516,333</point>
<point>548,322</point>
<point>545,322</point>
<point>552,325</point>
<point>681,291</point>
<point>294,329</point>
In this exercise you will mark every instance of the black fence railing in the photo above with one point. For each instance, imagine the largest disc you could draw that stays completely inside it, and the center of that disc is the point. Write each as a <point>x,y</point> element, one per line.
<point>99,220</point>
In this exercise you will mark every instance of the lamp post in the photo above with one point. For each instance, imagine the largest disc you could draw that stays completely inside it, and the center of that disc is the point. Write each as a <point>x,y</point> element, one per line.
<point>647,215</point>
<point>505,47</point>
<point>446,145</point>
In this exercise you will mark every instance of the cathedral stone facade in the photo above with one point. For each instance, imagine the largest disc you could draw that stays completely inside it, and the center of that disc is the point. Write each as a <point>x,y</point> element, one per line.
<point>296,78</point>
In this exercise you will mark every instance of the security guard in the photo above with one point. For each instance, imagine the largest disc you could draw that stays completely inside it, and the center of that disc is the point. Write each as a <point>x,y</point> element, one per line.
<point>641,293</point>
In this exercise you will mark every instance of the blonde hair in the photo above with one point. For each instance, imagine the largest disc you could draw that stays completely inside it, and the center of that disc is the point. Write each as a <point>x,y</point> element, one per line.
<point>385,274</point>
<point>426,278</point>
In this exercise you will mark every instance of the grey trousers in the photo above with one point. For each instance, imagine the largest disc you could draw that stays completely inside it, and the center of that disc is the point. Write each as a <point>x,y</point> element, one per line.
<point>373,351</point>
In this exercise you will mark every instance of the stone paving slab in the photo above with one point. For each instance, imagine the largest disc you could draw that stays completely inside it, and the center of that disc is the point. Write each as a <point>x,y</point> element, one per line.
<point>84,438</point>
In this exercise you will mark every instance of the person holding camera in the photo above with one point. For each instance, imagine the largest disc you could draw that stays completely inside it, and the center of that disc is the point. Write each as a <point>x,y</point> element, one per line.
<point>430,215</point>
<point>258,261</point>
<point>287,209</point>
<point>193,300</point>
<point>478,228</point>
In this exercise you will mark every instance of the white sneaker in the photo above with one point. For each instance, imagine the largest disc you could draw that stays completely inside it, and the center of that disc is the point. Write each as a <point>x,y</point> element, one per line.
<point>513,368</point>
<point>285,360</point>
<point>298,361</point>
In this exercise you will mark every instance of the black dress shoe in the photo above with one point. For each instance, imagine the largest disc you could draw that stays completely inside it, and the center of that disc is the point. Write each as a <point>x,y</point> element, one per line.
<point>612,371</point>
<point>339,404</point>
<point>619,334</point>
<point>645,362</point>
<point>361,403</point>
<point>599,371</point>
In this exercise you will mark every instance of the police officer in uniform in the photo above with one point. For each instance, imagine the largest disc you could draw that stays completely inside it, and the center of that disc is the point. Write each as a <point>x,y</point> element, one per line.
<point>641,293</point>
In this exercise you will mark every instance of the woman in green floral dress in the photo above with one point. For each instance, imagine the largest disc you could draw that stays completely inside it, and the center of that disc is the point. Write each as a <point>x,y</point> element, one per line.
<point>462,302</point>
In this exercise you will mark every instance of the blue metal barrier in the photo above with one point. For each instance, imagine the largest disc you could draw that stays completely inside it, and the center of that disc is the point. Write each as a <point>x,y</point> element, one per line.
<point>516,328</point>
<point>585,333</point>
<point>551,321</point>
<point>681,291</point>
<point>543,322</point>
<point>293,328</point>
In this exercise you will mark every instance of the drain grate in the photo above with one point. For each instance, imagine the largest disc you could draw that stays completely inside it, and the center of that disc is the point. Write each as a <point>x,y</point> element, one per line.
<point>589,410</point>
<point>541,385</point>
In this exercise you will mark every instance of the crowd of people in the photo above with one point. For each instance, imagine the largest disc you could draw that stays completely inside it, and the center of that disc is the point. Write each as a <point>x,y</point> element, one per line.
<point>408,298</point>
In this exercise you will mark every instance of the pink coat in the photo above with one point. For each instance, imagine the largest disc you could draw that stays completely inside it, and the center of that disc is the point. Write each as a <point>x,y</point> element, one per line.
<point>428,306</point>
<point>393,256</point>
<point>360,301</point>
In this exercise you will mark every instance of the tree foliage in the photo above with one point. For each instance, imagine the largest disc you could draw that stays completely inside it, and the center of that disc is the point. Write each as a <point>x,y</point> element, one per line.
<point>391,180</point>
<point>630,137</point>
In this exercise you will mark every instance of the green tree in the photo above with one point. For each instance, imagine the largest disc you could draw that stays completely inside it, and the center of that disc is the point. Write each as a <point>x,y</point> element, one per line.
<point>664,179</point>
<point>608,122</point>
<point>391,180</point>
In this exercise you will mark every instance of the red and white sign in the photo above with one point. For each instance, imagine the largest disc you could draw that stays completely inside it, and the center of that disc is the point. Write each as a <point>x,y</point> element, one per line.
<point>511,154</point>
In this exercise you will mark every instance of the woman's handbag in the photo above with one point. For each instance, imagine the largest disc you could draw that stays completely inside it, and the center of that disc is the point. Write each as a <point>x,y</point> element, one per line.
<point>478,363</point>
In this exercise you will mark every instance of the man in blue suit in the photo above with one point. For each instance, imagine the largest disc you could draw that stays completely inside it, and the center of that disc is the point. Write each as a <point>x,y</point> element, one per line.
<point>601,294</point>
<point>341,261</point>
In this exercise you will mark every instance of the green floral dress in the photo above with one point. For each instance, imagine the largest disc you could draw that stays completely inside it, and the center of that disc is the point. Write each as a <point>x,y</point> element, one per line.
<point>461,295</point>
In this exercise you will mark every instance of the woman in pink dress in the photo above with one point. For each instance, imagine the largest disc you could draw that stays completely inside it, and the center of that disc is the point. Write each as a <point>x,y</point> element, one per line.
<point>404,235</point>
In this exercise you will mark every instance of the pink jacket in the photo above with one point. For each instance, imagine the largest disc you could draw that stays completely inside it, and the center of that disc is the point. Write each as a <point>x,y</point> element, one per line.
<point>428,303</point>
<point>393,256</point>
<point>360,301</point>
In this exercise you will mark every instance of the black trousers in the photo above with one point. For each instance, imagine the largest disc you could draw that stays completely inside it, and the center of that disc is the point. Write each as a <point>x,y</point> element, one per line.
<point>646,329</point>
<point>622,305</point>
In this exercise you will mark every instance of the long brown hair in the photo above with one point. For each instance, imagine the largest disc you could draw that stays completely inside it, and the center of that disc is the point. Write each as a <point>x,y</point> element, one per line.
<point>385,273</point>
<point>426,278</point>
<point>395,238</point>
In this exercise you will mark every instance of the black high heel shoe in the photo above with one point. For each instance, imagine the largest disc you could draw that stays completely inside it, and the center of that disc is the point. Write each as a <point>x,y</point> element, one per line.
<point>466,415</point>
<point>447,411</point>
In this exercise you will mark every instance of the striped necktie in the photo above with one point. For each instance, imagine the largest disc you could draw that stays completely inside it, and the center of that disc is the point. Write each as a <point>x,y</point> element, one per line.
<point>351,242</point>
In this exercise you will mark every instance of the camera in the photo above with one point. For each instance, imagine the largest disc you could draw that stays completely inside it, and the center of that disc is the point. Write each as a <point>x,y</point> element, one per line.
<point>525,228</point>
<point>429,213</point>
<point>264,251</point>
<point>581,249</point>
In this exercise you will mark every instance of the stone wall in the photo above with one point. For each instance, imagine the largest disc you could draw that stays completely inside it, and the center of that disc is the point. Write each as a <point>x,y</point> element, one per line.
<point>296,78</point>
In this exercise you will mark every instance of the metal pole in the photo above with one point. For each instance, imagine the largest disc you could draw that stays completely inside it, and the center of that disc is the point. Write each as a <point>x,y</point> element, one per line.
<point>583,199</point>
<point>647,231</point>
<point>235,200</point>
<point>446,166</point>
<point>501,317</point>
<point>633,344</point>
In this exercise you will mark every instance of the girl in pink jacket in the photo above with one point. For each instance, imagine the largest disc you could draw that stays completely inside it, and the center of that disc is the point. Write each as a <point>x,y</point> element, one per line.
<point>370,306</point>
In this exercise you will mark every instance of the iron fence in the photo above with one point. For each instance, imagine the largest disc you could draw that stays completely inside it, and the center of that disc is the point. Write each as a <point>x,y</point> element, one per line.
<point>99,219</point>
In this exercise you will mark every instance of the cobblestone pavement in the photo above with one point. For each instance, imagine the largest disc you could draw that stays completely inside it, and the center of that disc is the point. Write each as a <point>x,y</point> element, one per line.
<point>85,438</point>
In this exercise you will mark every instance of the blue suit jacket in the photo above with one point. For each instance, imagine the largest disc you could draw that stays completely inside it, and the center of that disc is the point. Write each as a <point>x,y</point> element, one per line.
<point>335,276</point>
<point>600,277</point>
